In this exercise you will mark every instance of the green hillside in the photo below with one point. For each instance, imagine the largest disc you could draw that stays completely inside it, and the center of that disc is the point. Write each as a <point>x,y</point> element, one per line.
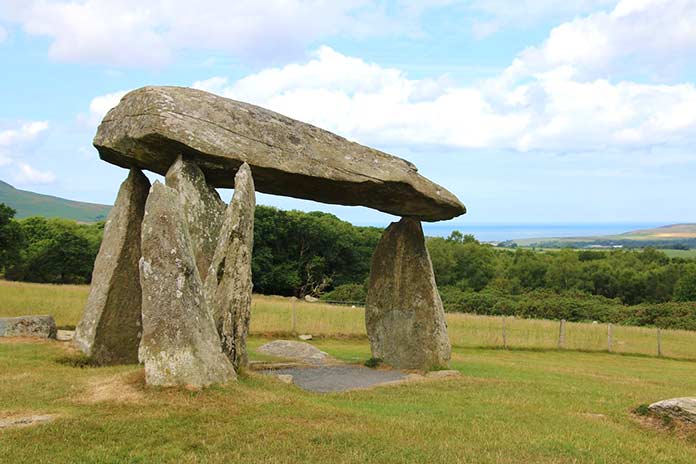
<point>34,204</point>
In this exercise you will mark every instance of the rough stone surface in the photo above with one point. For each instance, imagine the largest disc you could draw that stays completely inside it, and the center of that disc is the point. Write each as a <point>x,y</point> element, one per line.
<point>683,409</point>
<point>228,285</point>
<point>290,349</point>
<point>326,379</point>
<point>202,207</point>
<point>180,345</point>
<point>28,326</point>
<point>152,126</point>
<point>404,316</point>
<point>111,325</point>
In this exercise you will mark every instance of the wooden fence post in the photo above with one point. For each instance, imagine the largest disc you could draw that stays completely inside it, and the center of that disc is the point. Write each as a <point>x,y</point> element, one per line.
<point>609,340</point>
<point>504,334</point>
<point>659,342</point>
<point>561,334</point>
<point>294,315</point>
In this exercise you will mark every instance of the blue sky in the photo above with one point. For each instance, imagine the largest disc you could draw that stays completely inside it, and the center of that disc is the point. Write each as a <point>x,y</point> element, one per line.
<point>534,111</point>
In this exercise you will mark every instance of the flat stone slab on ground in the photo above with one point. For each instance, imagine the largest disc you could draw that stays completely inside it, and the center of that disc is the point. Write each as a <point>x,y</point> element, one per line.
<point>28,326</point>
<point>24,421</point>
<point>290,349</point>
<point>683,409</point>
<point>327,379</point>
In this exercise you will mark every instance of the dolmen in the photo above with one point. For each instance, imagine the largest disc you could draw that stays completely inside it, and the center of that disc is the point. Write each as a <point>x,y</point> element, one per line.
<point>172,282</point>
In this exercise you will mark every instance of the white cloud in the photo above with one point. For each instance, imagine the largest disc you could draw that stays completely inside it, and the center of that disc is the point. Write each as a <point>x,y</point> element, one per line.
<point>3,34</point>
<point>101,105</point>
<point>26,174</point>
<point>26,131</point>
<point>132,32</point>
<point>648,34</point>
<point>549,111</point>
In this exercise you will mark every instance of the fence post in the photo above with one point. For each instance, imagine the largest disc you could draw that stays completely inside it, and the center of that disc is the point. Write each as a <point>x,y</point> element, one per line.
<point>294,315</point>
<point>659,343</point>
<point>609,340</point>
<point>561,334</point>
<point>504,334</point>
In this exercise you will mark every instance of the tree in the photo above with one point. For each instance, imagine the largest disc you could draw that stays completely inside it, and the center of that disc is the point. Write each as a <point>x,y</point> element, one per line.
<point>685,289</point>
<point>11,238</point>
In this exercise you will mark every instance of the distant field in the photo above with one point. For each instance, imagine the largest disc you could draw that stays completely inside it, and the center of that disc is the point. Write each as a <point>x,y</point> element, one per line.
<point>273,316</point>
<point>691,254</point>
<point>671,233</point>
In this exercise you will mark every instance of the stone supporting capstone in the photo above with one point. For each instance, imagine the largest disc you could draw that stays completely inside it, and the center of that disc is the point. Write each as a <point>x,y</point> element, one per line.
<point>180,344</point>
<point>110,329</point>
<point>202,207</point>
<point>404,316</point>
<point>228,285</point>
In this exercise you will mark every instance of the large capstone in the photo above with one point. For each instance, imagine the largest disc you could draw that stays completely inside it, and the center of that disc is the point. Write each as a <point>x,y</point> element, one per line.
<point>152,126</point>
<point>111,326</point>
<point>404,315</point>
<point>180,345</point>
<point>228,285</point>
<point>202,207</point>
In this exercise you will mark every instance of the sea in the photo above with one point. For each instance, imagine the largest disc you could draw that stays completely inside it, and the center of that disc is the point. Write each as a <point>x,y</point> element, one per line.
<point>502,232</point>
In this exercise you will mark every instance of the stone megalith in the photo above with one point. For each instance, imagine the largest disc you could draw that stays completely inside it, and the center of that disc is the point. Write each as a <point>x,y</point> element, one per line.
<point>111,326</point>
<point>152,126</point>
<point>228,286</point>
<point>180,345</point>
<point>202,207</point>
<point>404,315</point>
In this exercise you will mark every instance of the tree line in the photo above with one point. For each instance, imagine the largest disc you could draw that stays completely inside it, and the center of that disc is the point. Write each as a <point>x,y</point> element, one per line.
<point>298,254</point>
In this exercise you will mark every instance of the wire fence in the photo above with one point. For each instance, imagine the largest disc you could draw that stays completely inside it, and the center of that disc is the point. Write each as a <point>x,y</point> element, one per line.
<point>276,315</point>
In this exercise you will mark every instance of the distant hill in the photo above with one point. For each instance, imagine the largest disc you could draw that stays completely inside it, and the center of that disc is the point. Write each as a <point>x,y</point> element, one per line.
<point>680,236</point>
<point>29,204</point>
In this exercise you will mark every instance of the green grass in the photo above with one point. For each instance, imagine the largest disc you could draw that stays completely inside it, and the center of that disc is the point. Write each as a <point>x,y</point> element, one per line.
<point>508,407</point>
<point>689,254</point>
<point>535,405</point>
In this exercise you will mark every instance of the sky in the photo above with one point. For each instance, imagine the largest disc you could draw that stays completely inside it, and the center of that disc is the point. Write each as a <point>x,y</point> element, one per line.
<point>533,111</point>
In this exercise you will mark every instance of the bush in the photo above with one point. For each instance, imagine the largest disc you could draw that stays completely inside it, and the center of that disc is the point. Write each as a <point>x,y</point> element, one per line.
<point>353,293</point>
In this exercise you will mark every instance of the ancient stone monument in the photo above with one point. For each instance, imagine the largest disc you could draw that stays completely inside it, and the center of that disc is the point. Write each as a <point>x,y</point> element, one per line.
<point>172,281</point>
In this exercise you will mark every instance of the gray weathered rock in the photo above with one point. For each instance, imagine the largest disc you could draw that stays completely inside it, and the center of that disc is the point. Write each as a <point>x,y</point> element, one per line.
<point>202,207</point>
<point>228,284</point>
<point>300,351</point>
<point>151,126</point>
<point>180,345</point>
<point>404,315</point>
<point>683,409</point>
<point>111,326</point>
<point>28,326</point>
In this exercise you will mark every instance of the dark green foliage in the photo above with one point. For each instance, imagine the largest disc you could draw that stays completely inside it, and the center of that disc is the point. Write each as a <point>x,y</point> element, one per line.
<point>373,362</point>
<point>56,251</point>
<point>642,410</point>
<point>351,293</point>
<point>11,238</point>
<point>685,289</point>
<point>299,254</point>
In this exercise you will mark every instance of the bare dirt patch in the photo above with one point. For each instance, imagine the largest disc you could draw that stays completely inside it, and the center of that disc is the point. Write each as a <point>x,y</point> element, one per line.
<point>121,388</point>
<point>24,420</point>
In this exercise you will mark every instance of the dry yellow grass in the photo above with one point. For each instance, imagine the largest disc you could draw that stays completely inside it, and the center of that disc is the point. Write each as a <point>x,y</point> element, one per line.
<point>274,315</point>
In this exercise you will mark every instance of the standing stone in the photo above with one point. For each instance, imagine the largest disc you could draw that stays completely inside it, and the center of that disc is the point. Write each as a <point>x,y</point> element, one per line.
<point>180,345</point>
<point>111,326</point>
<point>202,207</point>
<point>228,285</point>
<point>404,315</point>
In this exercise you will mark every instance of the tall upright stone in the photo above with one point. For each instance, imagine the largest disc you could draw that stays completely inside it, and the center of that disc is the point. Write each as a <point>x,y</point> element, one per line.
<point>228,285</point>
<point>404,315</point>
<point>180,345</point>
<point>202,207</point>
<point>111,326</point>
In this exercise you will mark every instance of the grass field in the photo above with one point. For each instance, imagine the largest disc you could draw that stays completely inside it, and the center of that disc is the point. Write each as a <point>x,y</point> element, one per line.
<point>509,406</point>
<point>273,315</point>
